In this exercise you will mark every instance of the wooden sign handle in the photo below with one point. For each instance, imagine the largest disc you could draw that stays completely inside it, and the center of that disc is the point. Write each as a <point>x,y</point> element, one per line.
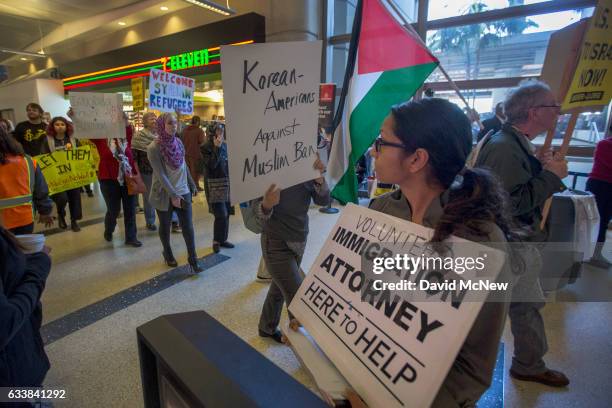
<point>561,155</point>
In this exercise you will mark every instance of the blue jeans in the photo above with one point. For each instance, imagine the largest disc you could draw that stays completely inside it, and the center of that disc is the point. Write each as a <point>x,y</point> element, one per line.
<point>185,220</point>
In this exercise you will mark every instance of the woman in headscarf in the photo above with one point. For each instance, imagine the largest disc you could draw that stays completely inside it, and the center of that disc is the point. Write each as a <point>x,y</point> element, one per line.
<point>141,142</point>
<point>172,188</point>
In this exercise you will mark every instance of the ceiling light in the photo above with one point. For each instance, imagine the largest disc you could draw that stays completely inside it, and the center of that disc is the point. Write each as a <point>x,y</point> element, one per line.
<point>163,8</point>
<point>26,53</point>
<point>121,23</point>
<point>23,59</point>
<point>212,6</point>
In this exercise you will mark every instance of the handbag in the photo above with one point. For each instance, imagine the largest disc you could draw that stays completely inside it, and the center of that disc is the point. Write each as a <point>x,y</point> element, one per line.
<point>134,183</point>
<point>251,222</point>
<point>218,190</point>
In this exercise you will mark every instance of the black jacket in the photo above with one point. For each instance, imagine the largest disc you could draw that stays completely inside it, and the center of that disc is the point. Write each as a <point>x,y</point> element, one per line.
<point>493,124</point>
<point>215,160</point>
<point>23,361</point>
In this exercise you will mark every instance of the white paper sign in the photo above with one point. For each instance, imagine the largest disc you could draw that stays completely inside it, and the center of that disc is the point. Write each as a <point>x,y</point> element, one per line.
<point>169,92</point>
<point>97,115</point>
<point>394,352</point>
<point>271,96</point>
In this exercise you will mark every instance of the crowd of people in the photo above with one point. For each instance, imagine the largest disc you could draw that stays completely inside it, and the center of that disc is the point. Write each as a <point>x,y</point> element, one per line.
<point>422,149</point>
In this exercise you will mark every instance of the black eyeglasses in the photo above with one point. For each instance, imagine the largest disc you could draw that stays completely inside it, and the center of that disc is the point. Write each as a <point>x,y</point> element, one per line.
<point>380,142</point>
<point>556,106</point>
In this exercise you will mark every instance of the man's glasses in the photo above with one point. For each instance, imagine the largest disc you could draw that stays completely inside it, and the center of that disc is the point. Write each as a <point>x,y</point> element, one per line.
<point>556,106</point>
<point>379,143</point>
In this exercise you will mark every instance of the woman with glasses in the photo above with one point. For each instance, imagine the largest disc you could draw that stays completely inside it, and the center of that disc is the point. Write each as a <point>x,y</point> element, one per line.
<point>422,148</point>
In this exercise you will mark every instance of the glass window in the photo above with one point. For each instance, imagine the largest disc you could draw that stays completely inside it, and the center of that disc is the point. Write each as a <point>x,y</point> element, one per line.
<point>590,126</point>
<point>343,14</point>
<point>452,8</point>
<point>506,48</point>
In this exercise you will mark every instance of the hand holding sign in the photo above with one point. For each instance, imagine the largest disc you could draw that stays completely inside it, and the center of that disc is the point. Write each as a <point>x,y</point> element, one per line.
<point>271,198</point>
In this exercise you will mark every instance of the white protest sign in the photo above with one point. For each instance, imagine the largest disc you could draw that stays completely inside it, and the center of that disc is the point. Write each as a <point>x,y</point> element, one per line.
<point>97,115</point>
<point>393,351</point>
<point>271,97</point>
<point>169,92</point>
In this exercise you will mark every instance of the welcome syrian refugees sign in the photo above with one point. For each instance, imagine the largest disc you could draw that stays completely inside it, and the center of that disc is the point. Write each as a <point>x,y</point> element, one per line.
<point>271,96</point>
<point>97,115</point>
<point>169,92</point>
<point>394,352</point>
<point>67,169</point>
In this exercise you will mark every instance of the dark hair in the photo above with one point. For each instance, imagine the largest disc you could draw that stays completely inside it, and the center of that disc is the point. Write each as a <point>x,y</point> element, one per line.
<point>195,120</point>
<point>35,106</point>
<point>51,129</point>
<point>443,130</point>
<point>8,146</point>
<point>211,131</point>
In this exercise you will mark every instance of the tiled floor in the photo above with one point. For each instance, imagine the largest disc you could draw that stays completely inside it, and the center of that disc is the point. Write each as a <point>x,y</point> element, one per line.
<point>97,363</point>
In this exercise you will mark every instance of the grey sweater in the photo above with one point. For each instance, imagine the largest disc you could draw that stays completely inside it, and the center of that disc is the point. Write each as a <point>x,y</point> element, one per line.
<point>289,219</point>
<point>162,189</point>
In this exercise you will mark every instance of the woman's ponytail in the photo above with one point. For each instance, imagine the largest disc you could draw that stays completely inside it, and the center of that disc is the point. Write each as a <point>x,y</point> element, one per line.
<point>476,198</point>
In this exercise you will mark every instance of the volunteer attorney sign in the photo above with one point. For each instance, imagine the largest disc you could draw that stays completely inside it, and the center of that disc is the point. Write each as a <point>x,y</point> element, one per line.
<point>392,351</point>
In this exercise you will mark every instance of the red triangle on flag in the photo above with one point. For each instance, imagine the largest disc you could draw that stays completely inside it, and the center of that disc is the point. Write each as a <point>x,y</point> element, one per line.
<point>384,44</point>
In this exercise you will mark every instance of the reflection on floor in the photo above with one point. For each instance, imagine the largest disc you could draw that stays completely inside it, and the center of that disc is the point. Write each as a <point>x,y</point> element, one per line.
<point>99,292</point>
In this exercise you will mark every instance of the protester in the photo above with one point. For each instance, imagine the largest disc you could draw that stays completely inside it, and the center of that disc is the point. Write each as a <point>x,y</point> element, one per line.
<point>6,125</point>
<point>115,163</point>
<point>530,179</point>
<point>216,181</point>
<point>22,281</point>
<point>59,137</point>
<point>172,188</point>
<point>493,124</point>
<point>22,188</point>
<point>422,148</point>
<point>284,215</point>
<point>600,184</point>
<point>141,142</point>
<point>193,137</point>
<point>32,133</point>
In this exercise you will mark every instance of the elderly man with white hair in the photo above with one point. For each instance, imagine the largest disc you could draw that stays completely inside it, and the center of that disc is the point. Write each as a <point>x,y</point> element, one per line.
<point>530,179</point>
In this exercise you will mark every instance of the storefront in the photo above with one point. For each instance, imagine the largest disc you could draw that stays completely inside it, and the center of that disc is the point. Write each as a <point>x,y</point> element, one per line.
<point>194,53</point>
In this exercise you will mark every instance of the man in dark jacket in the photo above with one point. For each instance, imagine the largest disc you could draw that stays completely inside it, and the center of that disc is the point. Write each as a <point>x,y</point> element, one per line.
<point>23,361</point>
<point>530,180</point>
<point>493,124</point>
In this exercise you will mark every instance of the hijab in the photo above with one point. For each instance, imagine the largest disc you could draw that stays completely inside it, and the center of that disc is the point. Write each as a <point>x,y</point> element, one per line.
<point>172,149</point>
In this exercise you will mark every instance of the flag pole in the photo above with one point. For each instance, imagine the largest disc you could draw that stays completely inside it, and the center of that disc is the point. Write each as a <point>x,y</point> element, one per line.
<point>416,35</point>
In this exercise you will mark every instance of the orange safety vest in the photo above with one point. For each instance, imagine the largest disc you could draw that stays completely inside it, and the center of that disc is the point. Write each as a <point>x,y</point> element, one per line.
<point>16,188</point>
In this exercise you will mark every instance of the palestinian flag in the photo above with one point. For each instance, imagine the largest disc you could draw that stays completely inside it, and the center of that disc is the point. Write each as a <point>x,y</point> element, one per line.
<point>387,65</point>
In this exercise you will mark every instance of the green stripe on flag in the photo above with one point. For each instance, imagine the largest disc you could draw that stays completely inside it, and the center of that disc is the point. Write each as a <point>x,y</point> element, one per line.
<point>391,88</point>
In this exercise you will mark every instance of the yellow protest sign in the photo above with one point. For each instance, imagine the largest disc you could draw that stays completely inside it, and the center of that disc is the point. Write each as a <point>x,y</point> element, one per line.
<point>67,169</point>
<point>138,93</point>
<point>592,85</point>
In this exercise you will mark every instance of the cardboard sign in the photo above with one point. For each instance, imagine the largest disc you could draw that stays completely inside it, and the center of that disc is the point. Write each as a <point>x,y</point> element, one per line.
<point>138,93</point>
<point>271,95</point>
<point>67,169</point>
<point>592,83</point>
<point>392,351</point>
<point>169,92</point>
<point>97,115</point>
